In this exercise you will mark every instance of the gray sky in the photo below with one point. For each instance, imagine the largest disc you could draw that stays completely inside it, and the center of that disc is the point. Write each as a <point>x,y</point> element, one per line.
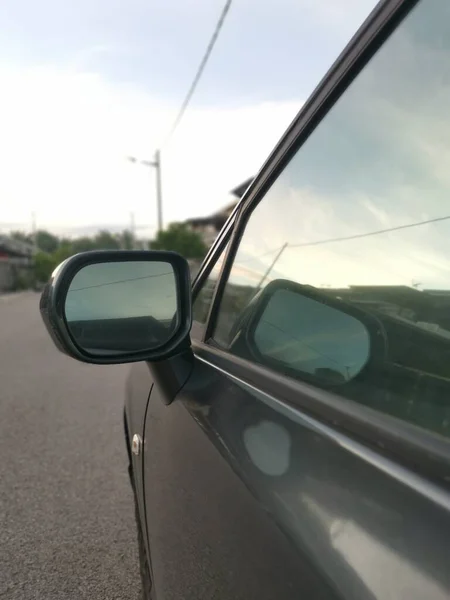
<point>84,84</point>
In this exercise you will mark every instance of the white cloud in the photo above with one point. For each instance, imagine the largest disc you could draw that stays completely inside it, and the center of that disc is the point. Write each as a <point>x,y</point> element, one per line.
<point>65,136</point>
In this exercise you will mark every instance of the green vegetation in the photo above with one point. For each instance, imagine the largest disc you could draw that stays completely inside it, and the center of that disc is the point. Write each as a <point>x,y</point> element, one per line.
<point>52,250</point>
<point>180,238</point>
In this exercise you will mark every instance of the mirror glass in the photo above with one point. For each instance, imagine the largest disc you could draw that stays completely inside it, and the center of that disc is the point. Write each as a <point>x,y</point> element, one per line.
<point>118,307</point>
<point>307,336</point>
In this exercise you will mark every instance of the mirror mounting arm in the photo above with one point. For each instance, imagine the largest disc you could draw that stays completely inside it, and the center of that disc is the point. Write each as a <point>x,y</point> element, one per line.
<point>170,375</point>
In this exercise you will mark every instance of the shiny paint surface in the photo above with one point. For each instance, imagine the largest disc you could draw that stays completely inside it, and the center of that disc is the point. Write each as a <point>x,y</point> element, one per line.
<point>208,536</point>
<point>256,500</point>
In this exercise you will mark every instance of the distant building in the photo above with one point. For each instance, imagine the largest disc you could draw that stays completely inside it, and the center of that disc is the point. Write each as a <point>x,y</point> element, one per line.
<point>11,248</point>
<point>16,261</point>
<point>209,227</point>
<point>240,190</point>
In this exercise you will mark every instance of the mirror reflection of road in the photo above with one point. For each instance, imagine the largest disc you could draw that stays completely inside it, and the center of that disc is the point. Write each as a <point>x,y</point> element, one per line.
<point>66,514</point>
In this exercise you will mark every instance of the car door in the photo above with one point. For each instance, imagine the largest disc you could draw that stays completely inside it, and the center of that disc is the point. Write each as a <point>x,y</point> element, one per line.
<point>307,469</point>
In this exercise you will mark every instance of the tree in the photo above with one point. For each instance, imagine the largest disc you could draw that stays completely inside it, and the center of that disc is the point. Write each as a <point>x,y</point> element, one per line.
<point>104,240</point>
<point>46,241</point>
<point>64,242</point>
<point>44,264</point>
<point>180,238</point>
<point>127,241</point>
<point>54,250</point>
<point>64,251</point>
<point>21,236</point>
<point>82,244</point>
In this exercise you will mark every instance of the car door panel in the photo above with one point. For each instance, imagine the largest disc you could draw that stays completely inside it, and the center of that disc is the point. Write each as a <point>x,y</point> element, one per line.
<point>256,500</point>
<point>209,536</point>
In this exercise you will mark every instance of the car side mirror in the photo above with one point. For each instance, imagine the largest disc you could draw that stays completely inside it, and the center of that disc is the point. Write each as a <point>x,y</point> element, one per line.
<point>304,332</point>
<point>108,307</point>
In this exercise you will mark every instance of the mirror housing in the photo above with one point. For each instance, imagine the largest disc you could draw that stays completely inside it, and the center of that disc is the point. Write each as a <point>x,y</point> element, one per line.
<point>127,327</point>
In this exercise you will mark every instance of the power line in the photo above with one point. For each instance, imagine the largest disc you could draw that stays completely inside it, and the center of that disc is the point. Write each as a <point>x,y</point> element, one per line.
<point>199,72</point>
<point>340,239</point>
<point>88,287</point>
<point>259,255</point>
<point>363,235</point>
<point>350,237</point>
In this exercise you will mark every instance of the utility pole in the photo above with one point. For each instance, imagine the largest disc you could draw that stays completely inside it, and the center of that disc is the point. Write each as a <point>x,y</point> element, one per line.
<point>271,266</point>
<point>132,231</point>
<point>156,164</point>
<point>34,230</point>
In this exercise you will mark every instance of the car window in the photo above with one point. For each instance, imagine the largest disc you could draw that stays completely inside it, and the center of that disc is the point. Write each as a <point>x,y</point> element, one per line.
<point>203,299</point>
<point>357,229</point>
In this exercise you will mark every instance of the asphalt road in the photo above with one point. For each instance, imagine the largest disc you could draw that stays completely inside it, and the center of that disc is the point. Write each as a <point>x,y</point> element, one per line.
<point>66,512</point>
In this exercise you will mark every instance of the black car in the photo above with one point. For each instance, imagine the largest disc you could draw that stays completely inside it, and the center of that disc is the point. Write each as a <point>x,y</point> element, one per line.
<point>287,417</point>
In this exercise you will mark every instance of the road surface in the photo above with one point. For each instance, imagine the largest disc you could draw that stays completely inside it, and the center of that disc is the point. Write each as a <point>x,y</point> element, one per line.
<point>66,512</point>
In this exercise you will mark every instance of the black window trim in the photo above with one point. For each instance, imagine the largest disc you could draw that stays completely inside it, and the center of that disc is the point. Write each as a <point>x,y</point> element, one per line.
<point>415,447</point>
<point>198,330</point>
<point>214,252</point>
